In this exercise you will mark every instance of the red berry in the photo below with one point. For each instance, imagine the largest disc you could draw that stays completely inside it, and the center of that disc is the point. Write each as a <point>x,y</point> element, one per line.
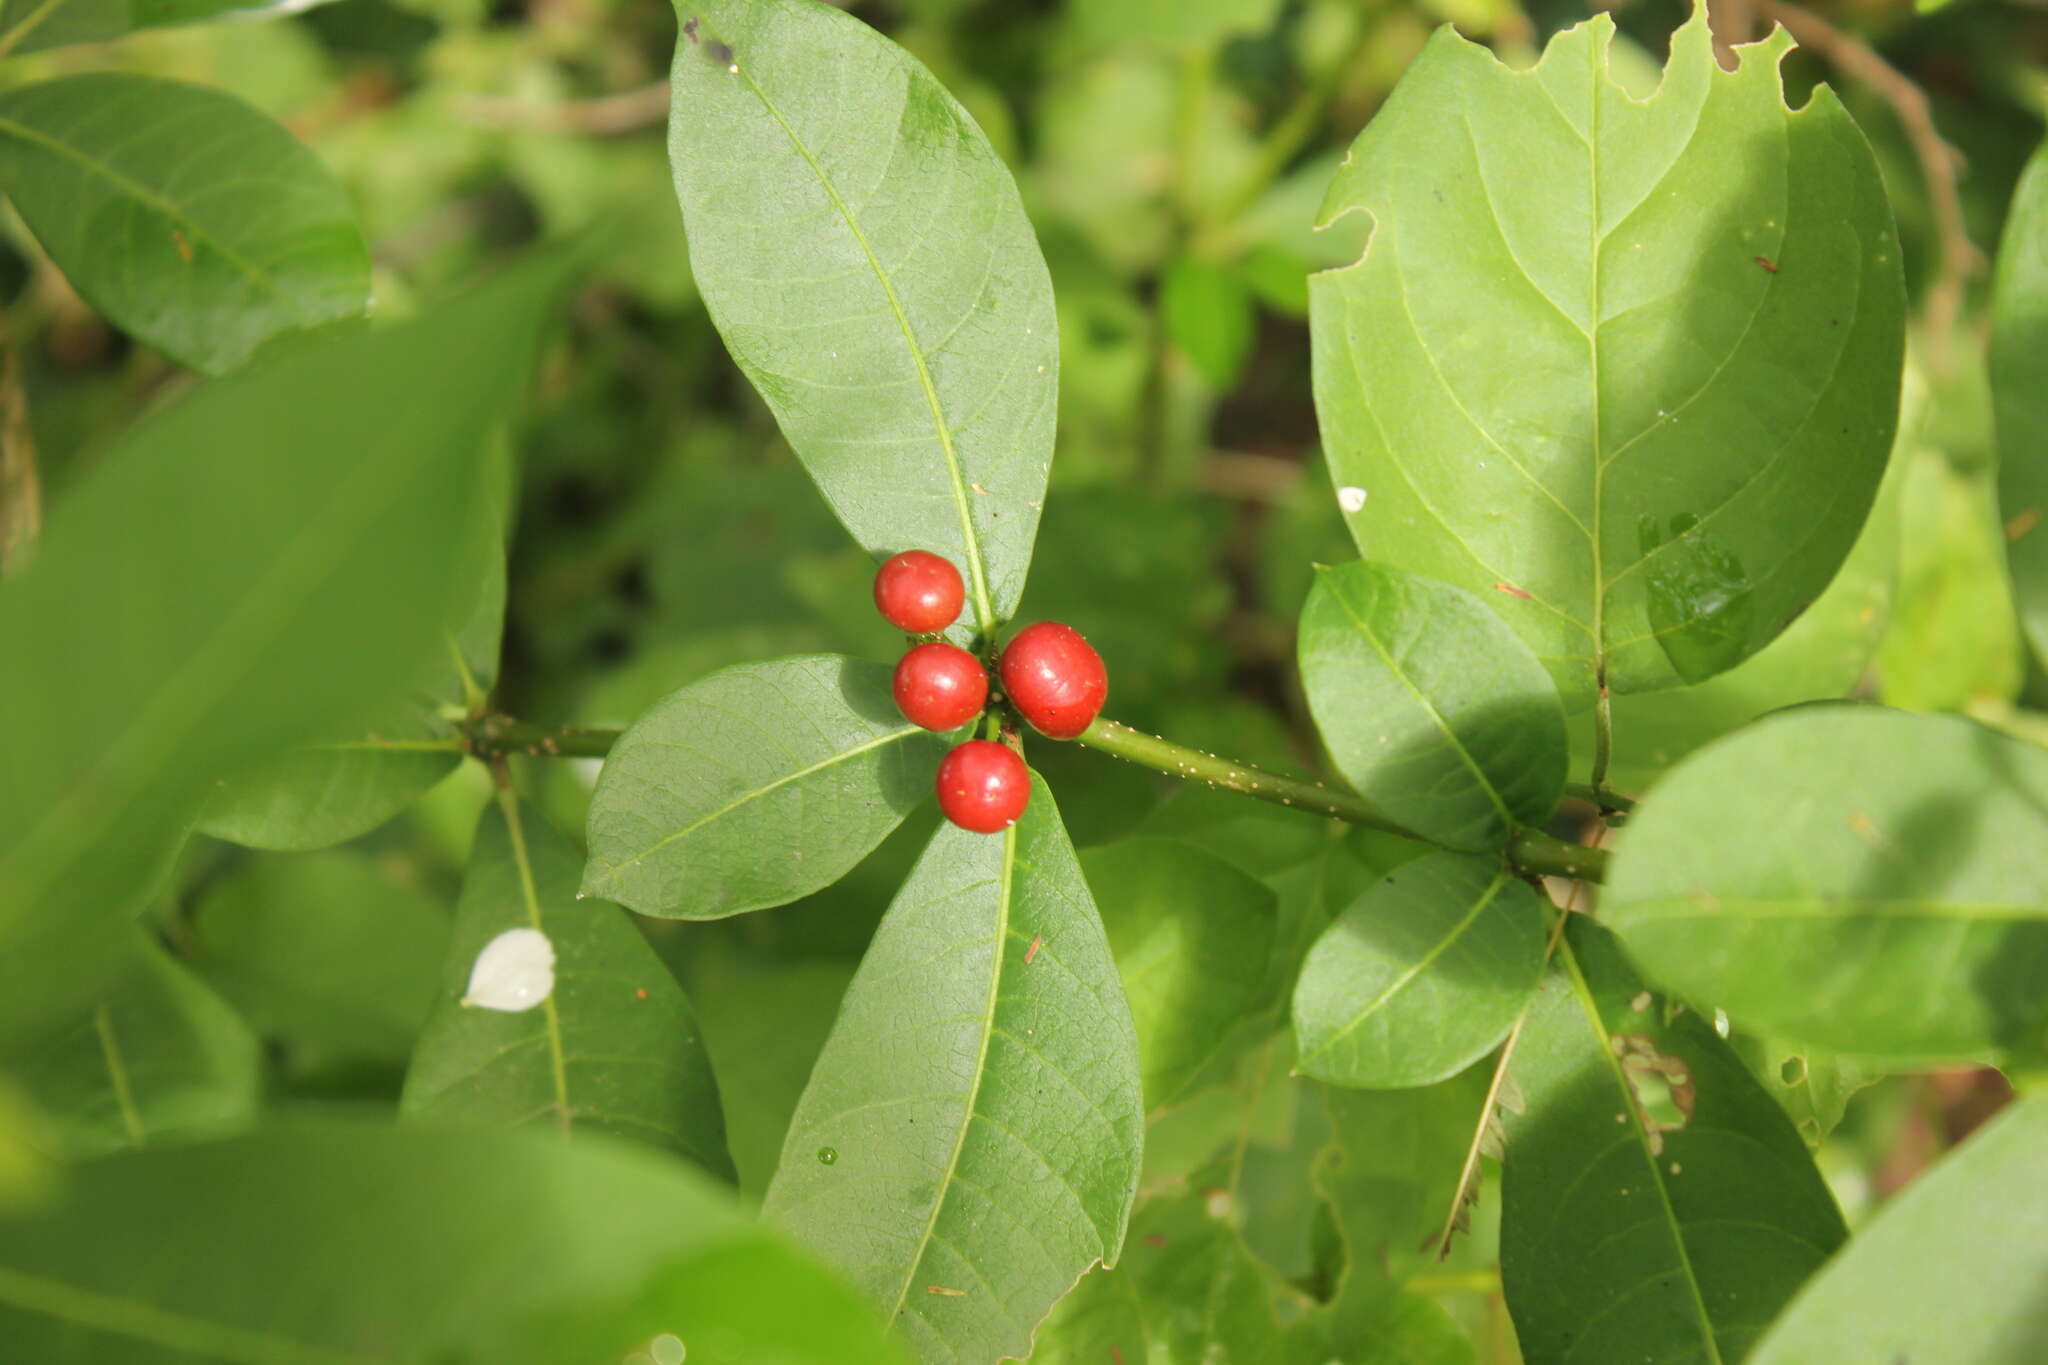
<point>1054,678</point>
<point>983,786</point>
<point>919,592</point>
<point>940,686</point>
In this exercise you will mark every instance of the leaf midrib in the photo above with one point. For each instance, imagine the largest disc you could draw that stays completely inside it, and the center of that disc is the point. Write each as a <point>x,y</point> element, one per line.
<point>523,864</point>
<point>142,193</point>
<point>967,1113</point>
<point>1401,981</point>
<point>1583,994</point>
<point>146,1322</point>
<point>977,573</point>
<point>611,873</point>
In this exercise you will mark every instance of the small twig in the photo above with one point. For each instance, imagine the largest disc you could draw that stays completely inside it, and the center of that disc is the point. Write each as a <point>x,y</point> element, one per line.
<point>1939,162</point>
<point>21,491</point>
<point>605,116</point>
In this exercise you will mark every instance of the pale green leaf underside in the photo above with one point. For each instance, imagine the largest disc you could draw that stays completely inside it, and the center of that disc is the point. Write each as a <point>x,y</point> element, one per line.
<point>159,1057</point>
<point>974,1121</point>
<point>754,786</point>
<point>369,1244</point>
<point>1421,976</point>
<point>185,216</point>
<point>615,1048</point>
<point>1624,1237</point>
<point>1431,708</point>
<point>1563,378</point>
<point>2019,357</point>
<point>1949,1271</point>
<point>866,257</point>
<point>1888,900</point>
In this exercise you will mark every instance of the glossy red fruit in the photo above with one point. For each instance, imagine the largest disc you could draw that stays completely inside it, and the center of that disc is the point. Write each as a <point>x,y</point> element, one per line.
<point>919,592</point>
<point>940,686</point>
<point>983,786</point>
<point>1054,678</point>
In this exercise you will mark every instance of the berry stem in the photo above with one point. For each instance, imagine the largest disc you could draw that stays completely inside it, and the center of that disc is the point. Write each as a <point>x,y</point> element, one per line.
<point>1530,852</point>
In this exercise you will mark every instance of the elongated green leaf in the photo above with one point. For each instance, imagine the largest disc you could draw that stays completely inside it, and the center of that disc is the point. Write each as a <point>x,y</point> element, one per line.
<point>1633,389</point>
<point>1430,707</point>
<point>325,954</point>
<point>2019,355</point>
<point>613,1048</point>
<point>34,25</point>
<point>893,308</point>
<point>1656,1204</point>
<point>1888,900</point>
<point>968,1144</point>
<point>1422,976</point>
<point>331,792</point>
<point>354,1245</point>
<point>1950,1270</point>
<point>187,218</point>
<point>305,506</point>
<point>1192,936</point>
<point>754,786</point>
<point>158,1056</point>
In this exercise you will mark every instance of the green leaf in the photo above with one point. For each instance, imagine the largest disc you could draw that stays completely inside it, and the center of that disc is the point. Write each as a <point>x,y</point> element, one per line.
<point>311,577</point>
<point>1422,976</point>
<point>1191,935</point>
<point>754,786</point>
<point>190,220</point>
<point>1656,1204</point>
<point>1823,655</point>
<point>37,25</point>
<point>893,309</point>
<point>1950,1270</point>
<point>332,792</point>
<point>351,1245</point>
<point>1430,707</point>
<point>1189,1290</point>
<point>1886,901</point>
<point>1208,313</point>
<point>1812,1087</point>
<point>1705,349</point>
<point>325,954</point>
<point>613,1048</point>
<point>1389,1176</point>
<point>969,1141</point>
<point>2019,351</point>
<point>158,1057</point>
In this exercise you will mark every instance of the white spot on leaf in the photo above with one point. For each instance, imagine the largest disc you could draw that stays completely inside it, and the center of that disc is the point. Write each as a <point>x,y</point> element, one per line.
<point>1351,498</point>
<point>514,972</point>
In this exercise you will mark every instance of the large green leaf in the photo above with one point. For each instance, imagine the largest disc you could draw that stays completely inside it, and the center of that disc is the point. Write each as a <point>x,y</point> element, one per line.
<point>1430,707</point>
<point>1627,370</point>
<point>1422,976</point>
<point>326,954</point>
<point>158,1056</point>
<point>968,1144</point>
<point>2019,356</point>
<point>334,791</point>
<point>1887,900</point>
<point>241,575</point>
<point>352,1245</point>
<point>613,1048</point>
<point>33,25</point>
<point>1656,1204</point>
<point>754,786</point>
<point>1951,1270</point>
<point>1192,936</point>
<point>866,257</point>
<point>187,218</point>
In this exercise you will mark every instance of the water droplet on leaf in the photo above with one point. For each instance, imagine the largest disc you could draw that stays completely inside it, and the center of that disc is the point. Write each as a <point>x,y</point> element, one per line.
<point>827,1155</point>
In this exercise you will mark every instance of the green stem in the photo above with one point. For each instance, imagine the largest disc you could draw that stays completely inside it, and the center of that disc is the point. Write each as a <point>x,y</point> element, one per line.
<point>1530,852</point>
<point>494,736</point>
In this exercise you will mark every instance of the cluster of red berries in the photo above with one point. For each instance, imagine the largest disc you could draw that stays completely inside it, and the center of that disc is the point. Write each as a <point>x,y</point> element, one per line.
<point>1053,678</point>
